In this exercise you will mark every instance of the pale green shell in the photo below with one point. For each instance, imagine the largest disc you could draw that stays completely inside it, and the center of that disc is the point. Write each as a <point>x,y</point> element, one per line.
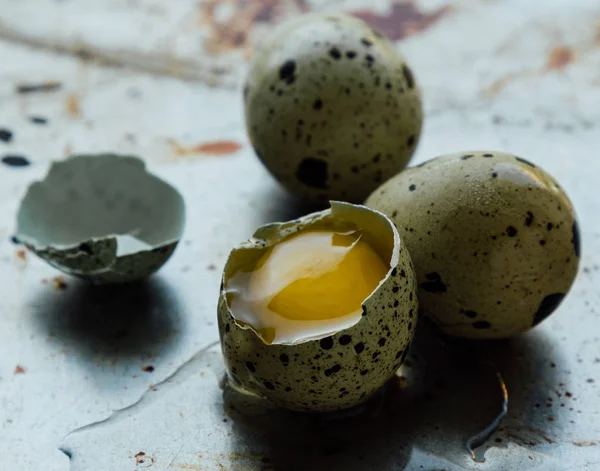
<point>493,237</point>
<point>339,370</point>
<point>332,109</point>
<point>76,218</point>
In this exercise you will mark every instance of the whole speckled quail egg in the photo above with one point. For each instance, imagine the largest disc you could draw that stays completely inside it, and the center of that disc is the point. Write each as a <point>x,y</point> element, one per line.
<point>493,237</point>
<point>318,313</point>
<point>331,108</point>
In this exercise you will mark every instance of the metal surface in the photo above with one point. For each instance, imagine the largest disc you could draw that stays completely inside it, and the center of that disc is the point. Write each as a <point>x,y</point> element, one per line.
<point>128,378</point>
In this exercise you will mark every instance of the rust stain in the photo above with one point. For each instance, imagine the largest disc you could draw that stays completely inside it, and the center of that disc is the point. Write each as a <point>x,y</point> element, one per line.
<point>73,108</point>
<point>21,254</point>
<point>143,458</point>
<point>19,370</point>
<point>404,19</point>
<point>59,283</point>
<point>208,148</point>
<point>234,32</point>
<point>590,443</point>
<point>559,58</point>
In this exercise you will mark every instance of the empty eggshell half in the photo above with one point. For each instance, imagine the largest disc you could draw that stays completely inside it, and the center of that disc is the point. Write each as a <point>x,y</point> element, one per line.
<point>102,218</point>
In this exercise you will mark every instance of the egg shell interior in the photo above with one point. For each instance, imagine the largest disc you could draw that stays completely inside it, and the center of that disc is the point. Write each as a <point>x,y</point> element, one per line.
<point>94,212</point>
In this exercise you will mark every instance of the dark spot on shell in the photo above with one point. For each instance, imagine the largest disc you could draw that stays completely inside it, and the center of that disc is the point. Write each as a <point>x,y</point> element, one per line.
<point>318,104</point>
<point>549,226</point>
<point>284,359</point>
<point>410,141</point>
<point>335,53</point>
<point>364,372</point>
<point>396,303</point>
<point>542,242</point>
<point>286,71</point>
<point>250,366</point>
<point>394,271</point>
<point>375,355</point>
<point>366,42</point>
<point>359,347</point>
<point>488,156</point>
<point>351,54</point>
<point>576,239</point>
<point>434,283</point>
<point>334,369</point>
<point>345,339</point>
<point>227,328</point>
<point>511,231</point>
<point>269,385</point>
<point>412,187</point>
<point>395,289</point>
<point>481,325</point>
<point>494,175</point>
<point>403,273</point>
<point>288,389</point>
<point>5,135</point>
<point>529,218</point>
<point>381,342</point>
<point>526,162</point>
<point>86,248</point>
<point>547,306</point>
<point>470,314</point>
<point>15,160</point>
<point>408,75</point>
<point>312,172</point>
<point>465,157</point>
<point>326,343</point>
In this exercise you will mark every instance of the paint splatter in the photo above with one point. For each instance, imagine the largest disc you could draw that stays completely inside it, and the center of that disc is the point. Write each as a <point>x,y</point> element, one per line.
<point>404,19</point>
<point>15,160</point>
<point>49,86</point>
<point>59,283</point>
<point>73,108</point>
<point>560,58</point>
<point>233,32</point>
<point>207,148</point>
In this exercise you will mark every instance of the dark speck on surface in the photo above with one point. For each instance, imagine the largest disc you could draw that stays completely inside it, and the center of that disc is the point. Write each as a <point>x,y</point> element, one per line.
<point>148,368</point>
<point>13,160</point>
<point>38,120</point>
<point>5,135</point>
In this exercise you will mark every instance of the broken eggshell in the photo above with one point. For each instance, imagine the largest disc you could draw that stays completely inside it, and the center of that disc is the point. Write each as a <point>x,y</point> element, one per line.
<point>338,369</point>
<point>102,218</point>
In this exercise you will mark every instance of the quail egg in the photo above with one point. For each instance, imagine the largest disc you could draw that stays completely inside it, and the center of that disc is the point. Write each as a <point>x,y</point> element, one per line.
<point>493,237</point>
<point>102,218</point>
<point>331,108</point>
<point>318,313</point>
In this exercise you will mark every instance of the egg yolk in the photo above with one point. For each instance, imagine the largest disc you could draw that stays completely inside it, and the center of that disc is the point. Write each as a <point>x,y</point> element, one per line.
<point>311,283</point>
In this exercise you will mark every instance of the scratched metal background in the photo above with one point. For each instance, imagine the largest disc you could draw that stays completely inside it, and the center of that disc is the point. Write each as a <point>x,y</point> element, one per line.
<point>128,379</point>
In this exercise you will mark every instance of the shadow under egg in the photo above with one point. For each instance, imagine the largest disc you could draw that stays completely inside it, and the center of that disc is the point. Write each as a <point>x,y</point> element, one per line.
<point>110,323</point>
<point>446,392</point>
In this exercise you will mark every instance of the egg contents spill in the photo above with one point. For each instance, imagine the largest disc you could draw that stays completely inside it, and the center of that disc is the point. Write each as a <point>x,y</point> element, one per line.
<point>317,314</point>
<point>310,284</point>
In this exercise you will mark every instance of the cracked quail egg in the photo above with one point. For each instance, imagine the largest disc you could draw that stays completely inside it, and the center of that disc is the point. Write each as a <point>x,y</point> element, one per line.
<point>493,237</point>
<point>332,109</point>
<point>318,313</point>
<point>102,218</point>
